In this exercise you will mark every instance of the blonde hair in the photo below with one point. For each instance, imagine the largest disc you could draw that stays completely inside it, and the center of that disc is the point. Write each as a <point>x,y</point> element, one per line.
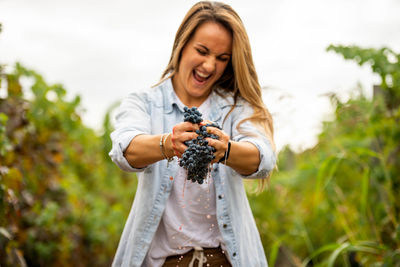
<point>240,77</point>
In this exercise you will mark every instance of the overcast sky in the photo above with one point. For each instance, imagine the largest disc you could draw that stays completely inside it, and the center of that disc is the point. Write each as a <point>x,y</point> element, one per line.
<point>103,49</point>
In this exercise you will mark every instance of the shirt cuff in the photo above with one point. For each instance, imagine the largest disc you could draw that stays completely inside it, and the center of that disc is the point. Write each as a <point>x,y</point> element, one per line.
<point>267,157</point>
<point>117,152</point>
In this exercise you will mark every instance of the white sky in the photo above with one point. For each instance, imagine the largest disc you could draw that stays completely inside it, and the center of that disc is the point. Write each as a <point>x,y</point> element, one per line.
<point>103,49</point>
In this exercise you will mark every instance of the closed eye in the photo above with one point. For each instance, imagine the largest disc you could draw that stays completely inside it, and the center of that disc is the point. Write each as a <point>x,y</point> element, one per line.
<point>201,52</point>
<point>223,59</point>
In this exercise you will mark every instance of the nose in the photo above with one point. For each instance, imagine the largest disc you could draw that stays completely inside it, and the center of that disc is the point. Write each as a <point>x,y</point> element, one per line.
<point>209,64</point>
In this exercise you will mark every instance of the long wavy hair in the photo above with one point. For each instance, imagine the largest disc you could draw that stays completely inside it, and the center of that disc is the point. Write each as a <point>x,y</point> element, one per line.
<point>240,77</point>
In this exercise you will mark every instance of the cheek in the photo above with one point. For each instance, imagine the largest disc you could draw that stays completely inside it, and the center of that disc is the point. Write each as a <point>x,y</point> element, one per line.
<point>221,68</point>
<point>189,65</point>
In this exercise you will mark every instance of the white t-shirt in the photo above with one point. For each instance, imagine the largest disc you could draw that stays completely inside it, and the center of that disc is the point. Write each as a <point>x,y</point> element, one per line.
<point>189,218</point>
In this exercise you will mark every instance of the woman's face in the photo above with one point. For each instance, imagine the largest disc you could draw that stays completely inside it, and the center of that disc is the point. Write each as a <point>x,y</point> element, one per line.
<point>203,61</point>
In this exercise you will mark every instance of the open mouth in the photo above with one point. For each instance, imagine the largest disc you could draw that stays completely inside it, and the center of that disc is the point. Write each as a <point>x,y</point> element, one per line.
<point>200,77</point>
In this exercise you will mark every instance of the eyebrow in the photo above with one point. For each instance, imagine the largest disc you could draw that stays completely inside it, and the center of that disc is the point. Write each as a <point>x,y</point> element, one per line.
<point>208,50</point>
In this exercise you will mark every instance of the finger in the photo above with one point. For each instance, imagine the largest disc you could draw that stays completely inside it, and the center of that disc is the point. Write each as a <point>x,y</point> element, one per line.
<point>205,122</point>
<point>177,153</point>
<point>186,136</point>
<point>221,134</point>
<point>188,126</point>
<point>183,136</point>
<point>180,147</point>
<point>220,148</point>
<point>213,130</point>
<point>184,127</point>
<point>176,148</point>
<point>178,140</point>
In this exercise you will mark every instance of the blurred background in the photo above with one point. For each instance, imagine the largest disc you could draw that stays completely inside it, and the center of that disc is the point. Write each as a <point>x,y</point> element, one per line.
<point>330,71</point>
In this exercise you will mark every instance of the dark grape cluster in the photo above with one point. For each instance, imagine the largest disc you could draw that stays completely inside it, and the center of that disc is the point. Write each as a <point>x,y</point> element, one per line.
<point>192,115</point>
<point>198,154</point>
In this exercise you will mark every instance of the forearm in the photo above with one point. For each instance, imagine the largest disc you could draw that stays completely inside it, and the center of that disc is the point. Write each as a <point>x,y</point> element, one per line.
<point>144,150</point>
<point>244,157</point>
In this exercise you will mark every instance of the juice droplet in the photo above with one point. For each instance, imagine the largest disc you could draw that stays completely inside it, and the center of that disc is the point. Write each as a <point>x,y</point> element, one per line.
<point>183,190</point>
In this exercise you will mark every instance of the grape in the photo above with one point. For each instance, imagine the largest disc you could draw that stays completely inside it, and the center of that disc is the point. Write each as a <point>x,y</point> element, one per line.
<point>192,115</point>
<point>198,154</point>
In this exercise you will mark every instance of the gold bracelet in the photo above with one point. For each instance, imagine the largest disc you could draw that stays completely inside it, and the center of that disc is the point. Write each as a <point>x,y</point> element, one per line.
<point>162,148</point>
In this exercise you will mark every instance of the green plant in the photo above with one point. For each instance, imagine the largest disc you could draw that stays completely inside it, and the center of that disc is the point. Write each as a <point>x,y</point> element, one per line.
<point>62,201</point>
<point>338,204</point>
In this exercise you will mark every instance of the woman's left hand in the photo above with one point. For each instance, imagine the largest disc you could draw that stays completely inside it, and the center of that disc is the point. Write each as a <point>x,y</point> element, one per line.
<point>221,144</point>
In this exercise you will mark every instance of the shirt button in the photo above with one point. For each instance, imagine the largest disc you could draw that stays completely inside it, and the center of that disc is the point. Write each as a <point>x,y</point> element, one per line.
<point>225,225</point>
<point>234,254</point>
<point>219,196</point>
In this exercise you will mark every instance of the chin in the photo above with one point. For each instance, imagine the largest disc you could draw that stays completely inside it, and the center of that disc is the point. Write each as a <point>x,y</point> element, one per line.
<point>198,93</point>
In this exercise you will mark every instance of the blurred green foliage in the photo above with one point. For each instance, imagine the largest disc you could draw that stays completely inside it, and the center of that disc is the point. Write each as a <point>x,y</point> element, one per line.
<point>338,204</point>
<point>62,201</point>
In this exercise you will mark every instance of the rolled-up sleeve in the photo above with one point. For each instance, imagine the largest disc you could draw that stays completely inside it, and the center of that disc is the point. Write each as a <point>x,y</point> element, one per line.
<point>132,119</point>
<point>250,133</point>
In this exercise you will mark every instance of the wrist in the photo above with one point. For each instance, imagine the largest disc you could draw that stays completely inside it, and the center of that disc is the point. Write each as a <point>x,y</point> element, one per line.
<point>163,148</point>
<point>169,152</point>
<point>226,155</point>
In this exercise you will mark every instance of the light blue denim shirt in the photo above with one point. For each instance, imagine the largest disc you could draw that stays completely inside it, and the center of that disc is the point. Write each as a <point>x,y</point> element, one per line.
<point>155,111</point>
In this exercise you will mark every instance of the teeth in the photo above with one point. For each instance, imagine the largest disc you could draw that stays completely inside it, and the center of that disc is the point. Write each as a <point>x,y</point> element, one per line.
<point>201,74</point>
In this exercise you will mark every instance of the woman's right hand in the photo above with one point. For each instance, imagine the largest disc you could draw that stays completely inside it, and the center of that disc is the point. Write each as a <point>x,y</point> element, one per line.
<point>181,133</point>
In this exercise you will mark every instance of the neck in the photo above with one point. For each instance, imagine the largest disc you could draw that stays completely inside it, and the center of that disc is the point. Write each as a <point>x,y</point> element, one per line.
<point>187,99</point>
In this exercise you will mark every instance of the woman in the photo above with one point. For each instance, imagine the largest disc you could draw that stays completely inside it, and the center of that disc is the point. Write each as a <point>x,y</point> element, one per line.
<point>173,222</point>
